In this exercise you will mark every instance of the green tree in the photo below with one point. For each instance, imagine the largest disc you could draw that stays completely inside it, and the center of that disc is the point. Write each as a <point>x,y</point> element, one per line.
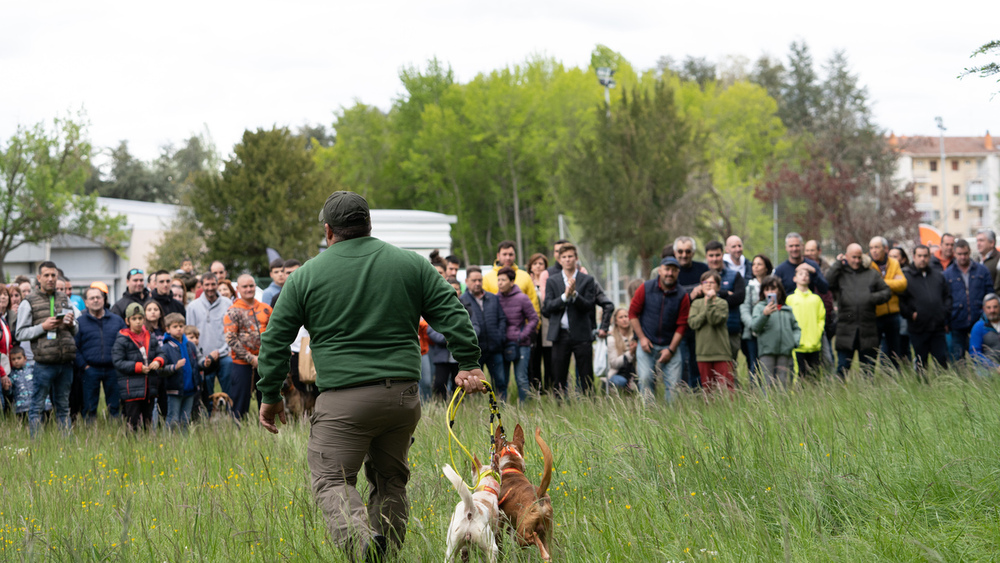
<point>181,241</point>
<point>800,96</point>
<point>268,195</point>
<point>42,177</point>
<point>985,70</point>
<point>132,178</point>
<point>743,136</point>
<point>633,174</point>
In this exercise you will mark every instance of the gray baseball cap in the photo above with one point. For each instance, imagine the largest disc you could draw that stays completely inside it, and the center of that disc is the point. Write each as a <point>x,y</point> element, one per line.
<point>345,209</point>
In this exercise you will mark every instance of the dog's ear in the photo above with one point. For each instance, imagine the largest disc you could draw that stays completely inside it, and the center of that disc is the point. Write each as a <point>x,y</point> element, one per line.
<point>498,439</point>
<point>519,438</point>
<point>479,464</point>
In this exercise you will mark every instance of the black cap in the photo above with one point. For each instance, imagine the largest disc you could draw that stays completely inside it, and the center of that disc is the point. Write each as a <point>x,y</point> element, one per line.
<point>345,209</point>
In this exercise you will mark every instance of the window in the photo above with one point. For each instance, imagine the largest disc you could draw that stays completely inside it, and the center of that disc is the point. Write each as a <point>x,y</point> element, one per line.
<point>958,214</point>
<point>954,165</point>
<point>933,166</point>
<point>956,189</point>
<point>933,191</point>
<point>968,162</point>
<point>980,212</point>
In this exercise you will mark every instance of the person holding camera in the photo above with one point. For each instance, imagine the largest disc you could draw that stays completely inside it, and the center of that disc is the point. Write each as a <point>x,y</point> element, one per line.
<point>48,323</point>
<point>777,332</point>
<point>622,346</point>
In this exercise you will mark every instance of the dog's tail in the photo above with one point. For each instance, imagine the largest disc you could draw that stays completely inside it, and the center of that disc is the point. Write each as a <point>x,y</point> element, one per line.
<point>461,487</point>
<point>547,458</point>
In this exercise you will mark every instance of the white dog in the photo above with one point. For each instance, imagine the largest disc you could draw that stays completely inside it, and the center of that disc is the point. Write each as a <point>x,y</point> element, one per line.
<point>476,517</point>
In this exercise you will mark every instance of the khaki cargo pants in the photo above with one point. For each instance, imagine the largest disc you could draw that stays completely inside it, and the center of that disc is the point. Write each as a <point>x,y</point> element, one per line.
<point>371,425</point>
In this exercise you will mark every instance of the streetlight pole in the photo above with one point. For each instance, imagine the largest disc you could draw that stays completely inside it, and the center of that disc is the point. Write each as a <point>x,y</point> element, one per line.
<point>944,188</point>
<point>604,75</point>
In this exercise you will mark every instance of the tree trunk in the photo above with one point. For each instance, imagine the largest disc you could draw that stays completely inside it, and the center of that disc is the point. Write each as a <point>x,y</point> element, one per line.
<point>517,205</point>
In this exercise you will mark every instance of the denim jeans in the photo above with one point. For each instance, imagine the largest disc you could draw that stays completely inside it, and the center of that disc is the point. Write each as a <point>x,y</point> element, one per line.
<point>55,380</point>
<point>845,358</point>
<point>493,363</point>
<point>619,381</point>
<point>426,377</point>
<point>521,365</point>
<point>958,345</point>
<point>179,410</point>
<point>891,342</point>
<point>93,379</point>
<point>225,368</point>
<point>645,364</point>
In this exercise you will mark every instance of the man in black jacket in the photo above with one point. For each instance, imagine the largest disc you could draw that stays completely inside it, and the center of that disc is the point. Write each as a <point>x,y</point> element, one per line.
<point>858,289</point>
<point>570,298</point>
<point>926,306</point>
<point>484,308</point>
<point>135,292</point>
<point>162,295</point>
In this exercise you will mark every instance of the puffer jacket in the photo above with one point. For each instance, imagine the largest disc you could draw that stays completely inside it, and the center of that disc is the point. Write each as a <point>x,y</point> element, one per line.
<point>967,304</point>
<point>185,381</point>
<point>778,333</point>
<point>896,281</point>
<point>130,352</point>
<point>984,343</point>
<point>746,309</point>
<point>521,317</point>
<point>858,292</point>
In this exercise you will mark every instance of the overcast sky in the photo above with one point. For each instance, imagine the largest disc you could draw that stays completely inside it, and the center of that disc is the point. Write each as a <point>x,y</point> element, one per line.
<point>154,72</point>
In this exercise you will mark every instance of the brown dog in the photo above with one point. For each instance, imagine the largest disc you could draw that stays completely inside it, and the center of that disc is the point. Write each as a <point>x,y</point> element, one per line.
<point>527,509</point>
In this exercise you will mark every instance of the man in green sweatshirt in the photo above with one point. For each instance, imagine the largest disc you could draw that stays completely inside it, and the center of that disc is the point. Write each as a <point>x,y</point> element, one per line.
<point>361,301</point>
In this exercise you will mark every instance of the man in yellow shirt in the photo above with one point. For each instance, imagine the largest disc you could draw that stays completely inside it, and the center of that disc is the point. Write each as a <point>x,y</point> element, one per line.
<point>507,257</point>
<point>887,314</point>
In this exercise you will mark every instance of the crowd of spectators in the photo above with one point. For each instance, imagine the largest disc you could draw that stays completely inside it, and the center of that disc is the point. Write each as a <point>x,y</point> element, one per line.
<point>170,342</point>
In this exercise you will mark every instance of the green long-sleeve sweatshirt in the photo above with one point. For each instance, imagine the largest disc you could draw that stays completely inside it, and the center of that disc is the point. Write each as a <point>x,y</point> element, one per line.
<point>361,301</point>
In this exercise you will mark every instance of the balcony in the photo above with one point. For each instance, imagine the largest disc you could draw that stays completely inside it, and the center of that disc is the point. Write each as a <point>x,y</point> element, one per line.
<point>977,194</point>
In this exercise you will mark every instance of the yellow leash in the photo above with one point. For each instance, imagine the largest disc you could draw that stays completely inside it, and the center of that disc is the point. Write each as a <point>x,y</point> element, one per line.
<point>456,401</point>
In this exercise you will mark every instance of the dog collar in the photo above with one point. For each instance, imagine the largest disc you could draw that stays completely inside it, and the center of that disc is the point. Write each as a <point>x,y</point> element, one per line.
<point>492,490</point>
<point>509,449</point>
<point>511,470</point>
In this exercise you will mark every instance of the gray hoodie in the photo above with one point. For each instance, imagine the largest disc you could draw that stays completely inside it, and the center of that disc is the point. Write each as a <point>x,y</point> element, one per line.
<point>208,317</point>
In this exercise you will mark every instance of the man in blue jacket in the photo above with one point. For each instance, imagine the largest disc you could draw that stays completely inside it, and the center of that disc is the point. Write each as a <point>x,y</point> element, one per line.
<point>489,317</point>
<point>984,342</point>
<point>95,337</point>
<point>969,283</point>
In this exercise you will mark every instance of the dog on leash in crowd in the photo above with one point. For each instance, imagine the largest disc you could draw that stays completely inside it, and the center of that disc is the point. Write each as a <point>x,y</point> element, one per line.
<point>222,406</point>
<point>528,509</point>
<point>476,517</point>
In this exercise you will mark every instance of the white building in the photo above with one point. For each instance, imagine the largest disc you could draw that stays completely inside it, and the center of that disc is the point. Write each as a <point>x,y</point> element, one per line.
<point>85,262</point>
<point>959,195</point>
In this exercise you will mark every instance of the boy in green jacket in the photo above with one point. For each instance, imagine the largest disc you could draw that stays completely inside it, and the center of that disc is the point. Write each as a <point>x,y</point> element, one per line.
<point>708,319</point>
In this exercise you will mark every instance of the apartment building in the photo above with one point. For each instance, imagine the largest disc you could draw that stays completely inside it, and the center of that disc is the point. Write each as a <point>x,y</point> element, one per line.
<point>959,195</point>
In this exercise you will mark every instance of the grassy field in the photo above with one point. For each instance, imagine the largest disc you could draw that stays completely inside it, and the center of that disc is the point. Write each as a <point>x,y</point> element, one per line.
<point>884,470</point>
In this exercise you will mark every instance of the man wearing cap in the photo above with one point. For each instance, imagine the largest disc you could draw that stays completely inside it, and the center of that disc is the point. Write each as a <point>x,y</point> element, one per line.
<point>135,292</point>
<point>95,338</point>
<point>361,301</point>
<point>658,314</point>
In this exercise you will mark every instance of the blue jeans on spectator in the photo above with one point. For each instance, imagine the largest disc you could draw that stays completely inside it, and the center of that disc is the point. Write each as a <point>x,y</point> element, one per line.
<point>749,346</point>
<point>646,363</point>
<point>958,345</point>
<point>426,377</point>
<point>521,365</point>
<point>53,380</point>
<point>890,340</point>
<point>493,363</point>
<point>846,358</point>
<point>619,381</point>
<point>179,410</point>
<point>225,368</point>
<point>93,379</point>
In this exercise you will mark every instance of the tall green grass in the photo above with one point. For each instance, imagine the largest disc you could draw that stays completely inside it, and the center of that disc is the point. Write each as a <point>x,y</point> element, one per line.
<point>888,469</point>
